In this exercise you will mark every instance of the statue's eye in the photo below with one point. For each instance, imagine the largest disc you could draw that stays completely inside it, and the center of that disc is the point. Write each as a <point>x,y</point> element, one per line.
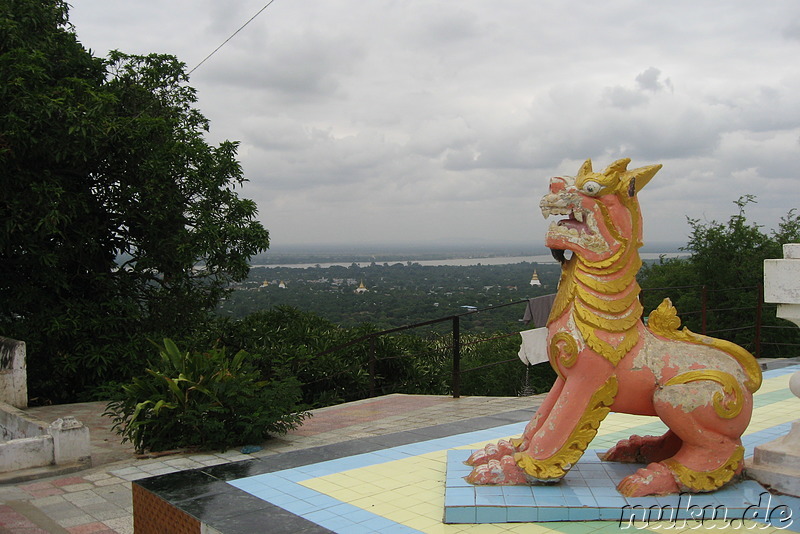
<point>592,188</point>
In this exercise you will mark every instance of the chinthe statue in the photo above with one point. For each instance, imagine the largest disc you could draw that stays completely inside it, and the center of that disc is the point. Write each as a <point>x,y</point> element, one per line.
<point>608,360</point>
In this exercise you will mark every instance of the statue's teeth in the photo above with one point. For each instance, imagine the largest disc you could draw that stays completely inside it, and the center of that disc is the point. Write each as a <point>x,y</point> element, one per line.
<point>578,215</point>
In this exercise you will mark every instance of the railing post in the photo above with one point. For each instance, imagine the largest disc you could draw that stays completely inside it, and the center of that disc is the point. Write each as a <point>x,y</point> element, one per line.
<point>703,308</point>
<point>759,307</point>
<point>372,366</point>
<point>456,358</point>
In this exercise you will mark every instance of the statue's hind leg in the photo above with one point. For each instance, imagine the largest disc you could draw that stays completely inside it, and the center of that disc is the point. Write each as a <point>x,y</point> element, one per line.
<point>710,454</point>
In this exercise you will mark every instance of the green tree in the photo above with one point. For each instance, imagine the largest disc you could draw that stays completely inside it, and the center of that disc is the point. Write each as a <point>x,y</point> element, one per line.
<point>118,221</point>
<point>723,273</point>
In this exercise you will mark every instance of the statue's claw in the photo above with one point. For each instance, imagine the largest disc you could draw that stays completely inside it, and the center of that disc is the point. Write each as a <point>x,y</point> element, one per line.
<point>655,479</point>
<point>500,472</point>
<point>491,452</point>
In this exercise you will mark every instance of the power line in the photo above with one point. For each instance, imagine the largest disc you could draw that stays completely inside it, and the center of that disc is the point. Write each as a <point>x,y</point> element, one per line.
<point>231,37</point>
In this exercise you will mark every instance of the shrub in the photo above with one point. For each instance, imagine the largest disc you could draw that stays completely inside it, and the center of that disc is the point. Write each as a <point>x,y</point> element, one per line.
<point>203,400</point>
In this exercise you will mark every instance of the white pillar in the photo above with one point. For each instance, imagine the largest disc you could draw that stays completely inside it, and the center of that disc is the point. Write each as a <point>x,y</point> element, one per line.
<point>777,463</point>
<point>70,441</point>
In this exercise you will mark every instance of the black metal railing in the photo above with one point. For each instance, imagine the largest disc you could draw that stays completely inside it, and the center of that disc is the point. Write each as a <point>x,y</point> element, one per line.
<point>712,309</point>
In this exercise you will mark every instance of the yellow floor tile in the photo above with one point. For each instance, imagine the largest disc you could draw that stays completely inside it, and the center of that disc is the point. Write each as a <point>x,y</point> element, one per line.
<point>773,384</point>
<point>773,414</point>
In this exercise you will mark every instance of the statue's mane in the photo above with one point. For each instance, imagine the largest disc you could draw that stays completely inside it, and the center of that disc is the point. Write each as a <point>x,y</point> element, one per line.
<point>604,294</point>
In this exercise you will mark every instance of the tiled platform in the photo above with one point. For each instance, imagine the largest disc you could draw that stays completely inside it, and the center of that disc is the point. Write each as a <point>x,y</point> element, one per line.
<point>396,482</point>
<point>588,493</point>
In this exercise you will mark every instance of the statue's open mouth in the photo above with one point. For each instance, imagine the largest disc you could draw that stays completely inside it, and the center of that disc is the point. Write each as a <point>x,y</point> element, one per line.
<point>576,221</point>
<point>559,255</point>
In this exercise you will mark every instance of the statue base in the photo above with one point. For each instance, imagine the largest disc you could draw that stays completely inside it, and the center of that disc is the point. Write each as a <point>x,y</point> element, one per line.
<point>588,493</point>
<point>777,463</point>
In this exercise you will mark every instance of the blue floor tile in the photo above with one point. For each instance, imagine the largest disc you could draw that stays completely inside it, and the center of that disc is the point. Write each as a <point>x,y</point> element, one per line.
<point>519,500</point>
<point>518,491</point>
<point>522,514</point>
<point>576,513</point>
<point>553,514</point>
<point>489,500</point>
<point>459,514</point>
<point>490,514</point>
<point>459,497</point>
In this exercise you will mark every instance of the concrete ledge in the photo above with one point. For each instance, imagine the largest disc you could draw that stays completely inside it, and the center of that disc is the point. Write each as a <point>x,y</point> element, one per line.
<point>28,443</point>
<point>26,452</point>
<point>16,424</point>
<point>34,473</point>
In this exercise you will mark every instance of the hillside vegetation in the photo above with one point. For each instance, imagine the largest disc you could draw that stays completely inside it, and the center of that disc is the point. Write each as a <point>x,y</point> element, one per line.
<point>396,294</point>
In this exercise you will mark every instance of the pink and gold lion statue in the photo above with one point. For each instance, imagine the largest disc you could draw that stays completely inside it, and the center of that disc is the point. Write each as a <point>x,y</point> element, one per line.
<point>608,360</point>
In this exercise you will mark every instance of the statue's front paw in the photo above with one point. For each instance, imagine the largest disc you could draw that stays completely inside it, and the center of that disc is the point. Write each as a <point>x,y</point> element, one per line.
<point>498,472</point>
<point>491,452</point>
<point>655,479</point>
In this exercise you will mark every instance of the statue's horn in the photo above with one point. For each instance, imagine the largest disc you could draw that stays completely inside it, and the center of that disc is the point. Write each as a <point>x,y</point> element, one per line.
<point>641,176</point>
<point>618,166</point>
<point>586,168</point>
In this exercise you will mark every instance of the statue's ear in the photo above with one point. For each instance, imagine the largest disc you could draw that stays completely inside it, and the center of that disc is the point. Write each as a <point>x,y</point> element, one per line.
<point>635,179</point>
<point>620,166</point>
<point>586,168</point>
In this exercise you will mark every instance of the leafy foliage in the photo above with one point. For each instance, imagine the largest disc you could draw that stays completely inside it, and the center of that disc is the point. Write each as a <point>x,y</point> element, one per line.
<point>333,363</point>
<point>204,400</point>
<point>117,220</point>
<point>298,343</point>
<point>723,273</point>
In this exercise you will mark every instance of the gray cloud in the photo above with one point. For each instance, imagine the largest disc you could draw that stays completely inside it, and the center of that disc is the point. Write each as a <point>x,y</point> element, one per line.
<point>620,97</point>
<point>792,30</point>
<point>650,80</point>
<point>399,121</point>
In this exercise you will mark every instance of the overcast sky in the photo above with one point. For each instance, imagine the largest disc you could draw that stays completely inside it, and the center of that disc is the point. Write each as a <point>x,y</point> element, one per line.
<point>383,121</point>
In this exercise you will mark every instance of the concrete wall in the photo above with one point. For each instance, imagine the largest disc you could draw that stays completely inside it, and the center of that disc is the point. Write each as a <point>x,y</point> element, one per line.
<point>26,442</point>
<point>25,453</point>
<point>13,373</point>
<point>15,424</point>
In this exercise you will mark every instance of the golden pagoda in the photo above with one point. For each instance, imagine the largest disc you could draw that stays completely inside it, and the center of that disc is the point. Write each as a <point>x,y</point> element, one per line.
<point>361,288</point>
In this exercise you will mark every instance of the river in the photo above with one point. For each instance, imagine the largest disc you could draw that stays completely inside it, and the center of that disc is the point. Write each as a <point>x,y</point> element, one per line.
<point>498,260</point>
